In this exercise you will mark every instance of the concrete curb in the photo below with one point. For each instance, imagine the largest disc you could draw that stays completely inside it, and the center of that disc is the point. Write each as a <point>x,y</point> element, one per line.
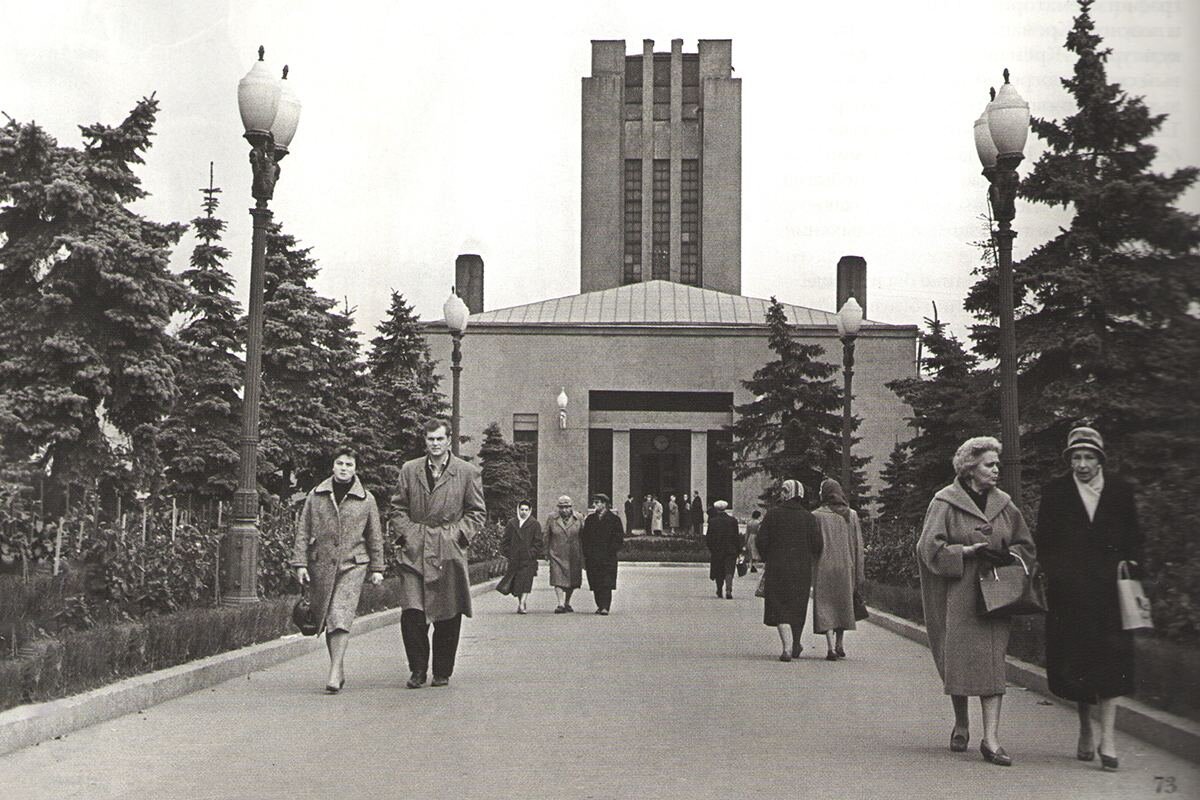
<point>32,724</point>
<point>1171,732</point>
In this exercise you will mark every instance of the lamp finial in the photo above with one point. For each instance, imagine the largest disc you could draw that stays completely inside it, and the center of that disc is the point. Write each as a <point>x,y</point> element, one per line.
<point>992,91</point>
<point>285,71</point>
<point>261,51</point>
<point>1006,74</point>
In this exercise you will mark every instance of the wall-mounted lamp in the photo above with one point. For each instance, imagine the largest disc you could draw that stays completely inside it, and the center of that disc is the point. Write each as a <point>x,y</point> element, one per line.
<point>562,409</point>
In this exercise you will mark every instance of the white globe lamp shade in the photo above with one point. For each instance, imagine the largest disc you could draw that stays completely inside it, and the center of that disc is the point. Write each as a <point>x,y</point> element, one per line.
<point>849,318</point>
<point>562,399</point>
<point>984,146</point>
<point>1008,121</point>
<point>456,313</point>
<point>258,97</point>
<point>287,116</point>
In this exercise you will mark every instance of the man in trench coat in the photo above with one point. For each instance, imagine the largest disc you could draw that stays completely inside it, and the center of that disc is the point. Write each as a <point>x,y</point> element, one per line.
<point>436,510</point>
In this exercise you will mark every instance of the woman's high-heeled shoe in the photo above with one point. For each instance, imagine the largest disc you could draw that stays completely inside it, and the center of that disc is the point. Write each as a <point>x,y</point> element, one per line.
<point>997,756</point>
<point>1085,755</point>
<point>959,741</point>
<point>331,689</point>
<point>1109,763</point>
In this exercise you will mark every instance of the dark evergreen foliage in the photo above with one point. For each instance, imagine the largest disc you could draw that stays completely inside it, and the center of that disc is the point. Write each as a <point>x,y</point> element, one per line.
<point>505,475</point>
<point>85,298</point>
<point>199,441</point>
<point>402,386</point>
<point>794,427</point>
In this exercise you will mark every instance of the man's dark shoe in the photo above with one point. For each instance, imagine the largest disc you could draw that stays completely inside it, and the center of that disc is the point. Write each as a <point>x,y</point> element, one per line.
<point>416,680</point>
<point>439,681</point>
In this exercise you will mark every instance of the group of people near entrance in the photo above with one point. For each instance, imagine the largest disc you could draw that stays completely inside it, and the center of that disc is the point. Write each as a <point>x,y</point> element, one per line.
<point>572,543</point>
<point>1086,528</point>
<point>678,517</point>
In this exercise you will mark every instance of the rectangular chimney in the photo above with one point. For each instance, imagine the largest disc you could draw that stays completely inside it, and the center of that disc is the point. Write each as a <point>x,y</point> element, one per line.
<point>468,281</point>
<point>852,281</point>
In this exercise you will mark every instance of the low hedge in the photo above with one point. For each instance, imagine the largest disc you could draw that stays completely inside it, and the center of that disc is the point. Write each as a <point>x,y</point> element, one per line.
<point>76,661</point>
<point>663,548</point>
<point>1166,671</point>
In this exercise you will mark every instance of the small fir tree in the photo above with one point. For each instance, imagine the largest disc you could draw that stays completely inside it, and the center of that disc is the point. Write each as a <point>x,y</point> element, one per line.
<point>200,438</point>
<point>505,474</point>
<point>793,427</point>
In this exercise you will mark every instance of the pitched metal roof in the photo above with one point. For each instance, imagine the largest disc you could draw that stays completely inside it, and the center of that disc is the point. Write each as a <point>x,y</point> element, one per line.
<point>654,303</point>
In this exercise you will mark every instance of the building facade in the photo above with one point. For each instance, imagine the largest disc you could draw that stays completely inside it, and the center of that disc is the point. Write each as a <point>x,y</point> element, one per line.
<point>662,167</point>
<point>651,372</point>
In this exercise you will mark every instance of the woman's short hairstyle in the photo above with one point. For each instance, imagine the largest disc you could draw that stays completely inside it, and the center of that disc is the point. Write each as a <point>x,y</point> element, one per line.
<point>970,453</point>
<point>342,450</point>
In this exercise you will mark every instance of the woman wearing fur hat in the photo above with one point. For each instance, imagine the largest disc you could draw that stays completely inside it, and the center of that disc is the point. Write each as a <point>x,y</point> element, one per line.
<point>1087,524</point>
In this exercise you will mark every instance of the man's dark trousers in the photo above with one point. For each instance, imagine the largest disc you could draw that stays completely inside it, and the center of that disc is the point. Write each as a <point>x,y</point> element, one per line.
<point>414,629</point>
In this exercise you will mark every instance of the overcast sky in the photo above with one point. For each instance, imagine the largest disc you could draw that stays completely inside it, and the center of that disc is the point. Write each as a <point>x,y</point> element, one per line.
<point>438,128</point>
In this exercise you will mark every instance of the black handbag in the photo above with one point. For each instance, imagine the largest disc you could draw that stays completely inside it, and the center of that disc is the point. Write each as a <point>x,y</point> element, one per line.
<point>304,616</point>
<point>860,607</point>
<point>1010,590</point>
<point>743,566</point>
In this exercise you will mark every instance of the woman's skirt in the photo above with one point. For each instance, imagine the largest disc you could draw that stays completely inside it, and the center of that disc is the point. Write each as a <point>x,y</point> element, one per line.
<point>343,602</point>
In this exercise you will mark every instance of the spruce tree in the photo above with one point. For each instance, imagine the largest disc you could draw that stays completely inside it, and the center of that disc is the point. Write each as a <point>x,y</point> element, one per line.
<point>947,403</point>
<point>297,425</point>
<point>793,428</point>
<point>505,475</point>
<point>403,386</point>
<point>1109,335</point>
<point>199,440</point>
<point>85,297</point>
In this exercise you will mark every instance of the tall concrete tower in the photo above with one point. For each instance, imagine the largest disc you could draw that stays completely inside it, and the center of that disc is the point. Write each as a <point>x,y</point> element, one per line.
<point>662,167</point>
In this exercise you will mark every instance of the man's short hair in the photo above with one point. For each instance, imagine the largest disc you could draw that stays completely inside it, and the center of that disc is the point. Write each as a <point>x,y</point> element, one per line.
<point>433,423</point>
<point>756,514</point>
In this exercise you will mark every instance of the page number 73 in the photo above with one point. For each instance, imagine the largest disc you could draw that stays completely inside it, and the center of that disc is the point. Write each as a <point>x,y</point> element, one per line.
<point>1165,784</point>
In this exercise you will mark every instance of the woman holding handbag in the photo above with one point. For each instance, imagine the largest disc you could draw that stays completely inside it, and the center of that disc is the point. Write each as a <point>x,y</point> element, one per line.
<point>969,522</point>
<point>338,541</point>
<point>1087,525</point>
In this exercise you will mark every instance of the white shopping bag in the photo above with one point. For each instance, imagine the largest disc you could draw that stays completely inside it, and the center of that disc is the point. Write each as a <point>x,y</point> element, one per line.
<point>1135,607</point>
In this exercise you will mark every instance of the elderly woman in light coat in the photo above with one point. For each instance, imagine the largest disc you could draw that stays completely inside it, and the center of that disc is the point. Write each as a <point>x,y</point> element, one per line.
<point>967,522</point>
<point>839,571</point>
<point>338,541</point>
<point>565,553</point>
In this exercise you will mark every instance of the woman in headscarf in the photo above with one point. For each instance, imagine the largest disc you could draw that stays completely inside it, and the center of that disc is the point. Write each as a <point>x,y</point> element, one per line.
<point>788,541</point>
<point>968,522</point>
<point>839,570</point>
<point>1087,524</point>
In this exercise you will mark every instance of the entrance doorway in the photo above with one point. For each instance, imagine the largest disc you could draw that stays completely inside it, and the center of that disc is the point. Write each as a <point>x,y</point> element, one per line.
<point>660,466</point>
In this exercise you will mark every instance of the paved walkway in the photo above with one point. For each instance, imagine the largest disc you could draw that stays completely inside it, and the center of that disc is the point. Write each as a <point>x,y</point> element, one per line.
<point>675,695</point>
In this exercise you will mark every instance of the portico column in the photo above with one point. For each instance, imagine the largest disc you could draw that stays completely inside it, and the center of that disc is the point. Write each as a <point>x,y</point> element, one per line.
<point>620,468</point>
<point>699,464</point>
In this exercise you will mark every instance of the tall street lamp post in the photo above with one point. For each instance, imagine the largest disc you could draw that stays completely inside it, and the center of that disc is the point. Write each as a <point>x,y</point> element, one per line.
<point>1000,134</point>
<point>849,320</point>
<point>457,316</point>
<point>270,114</point>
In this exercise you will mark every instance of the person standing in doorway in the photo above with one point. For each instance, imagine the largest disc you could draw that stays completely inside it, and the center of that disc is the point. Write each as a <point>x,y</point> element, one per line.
<point>602,537</point>
<point>656,516</point>
<point>631,513</point>
<point>647,513</point>
<point>672,515</point>
<point>436,510</point>
<point>565,552</point>
<point>697,512</point>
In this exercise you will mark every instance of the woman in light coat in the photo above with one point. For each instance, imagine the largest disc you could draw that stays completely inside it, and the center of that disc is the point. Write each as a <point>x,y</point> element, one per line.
<point>338,540</point>
<point>673,516</point>
<point>839,570</point>
<point>565,553</point>
<point>967,522</point>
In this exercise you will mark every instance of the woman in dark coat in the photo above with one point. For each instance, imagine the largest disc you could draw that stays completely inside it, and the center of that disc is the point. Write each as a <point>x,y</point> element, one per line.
<point>1087,524</point>
<point>789,542</point>
<point>521,545</point>
<point>338,540</point>
<point>696,510</point>
<point>602,537</point>
<point>724,543</point>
